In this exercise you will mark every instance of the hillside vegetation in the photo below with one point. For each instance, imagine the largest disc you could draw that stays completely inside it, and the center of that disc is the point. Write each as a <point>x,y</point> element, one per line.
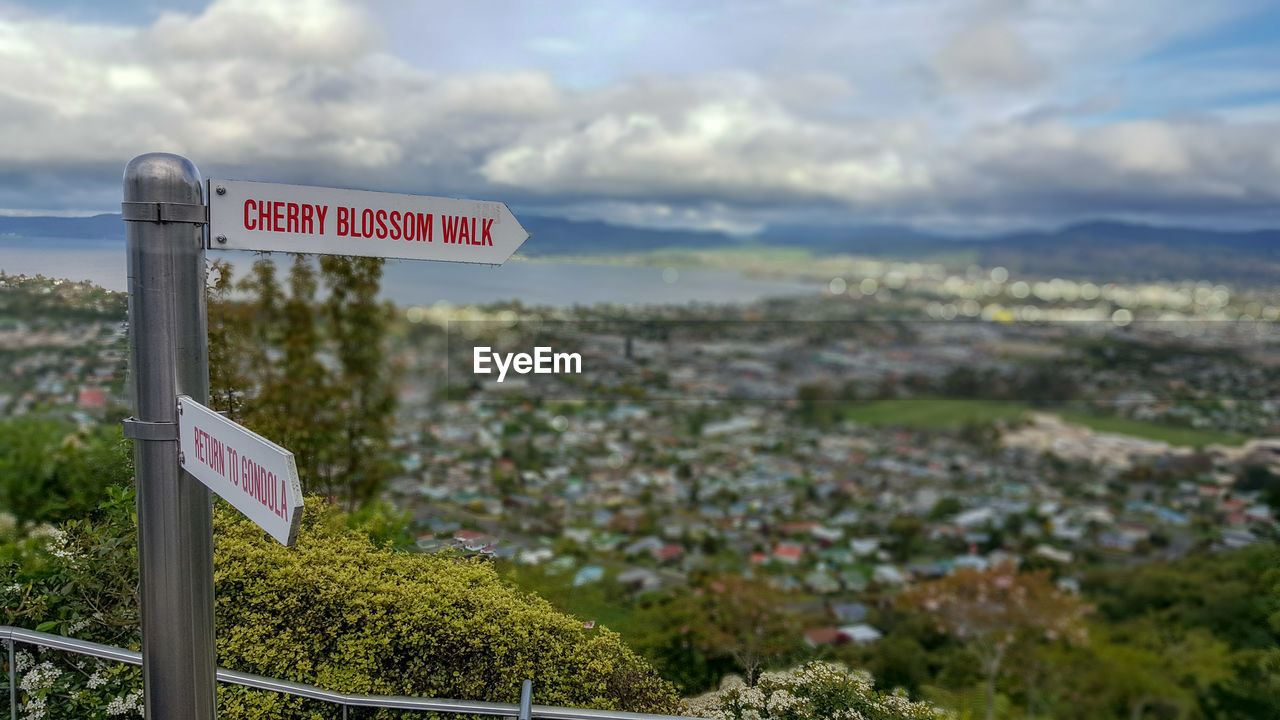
<point>334,611</point>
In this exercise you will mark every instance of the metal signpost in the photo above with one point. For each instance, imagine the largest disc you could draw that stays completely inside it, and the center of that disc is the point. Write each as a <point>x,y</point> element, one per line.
<point>183,448</point>
<point>164,223</point>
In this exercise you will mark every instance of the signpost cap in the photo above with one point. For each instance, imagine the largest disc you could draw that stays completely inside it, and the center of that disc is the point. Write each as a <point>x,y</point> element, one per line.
<point>162,177</point>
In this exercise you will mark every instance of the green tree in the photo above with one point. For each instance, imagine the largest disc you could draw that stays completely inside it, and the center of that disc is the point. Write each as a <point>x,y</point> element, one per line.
<point>945,508</point>
<point>899,660</point>
<point>1143,670</point>
<point>963,381</point>
<point>1046,385</point>
<point>307,365</point>
<point>1258,478</point>
<point>907,536</point>
<point>817,405</point>
<point>50,470</point>
<point>667,633</point>
<point>745,620</point>
<point>1233,595</point>
<point>994,611</point>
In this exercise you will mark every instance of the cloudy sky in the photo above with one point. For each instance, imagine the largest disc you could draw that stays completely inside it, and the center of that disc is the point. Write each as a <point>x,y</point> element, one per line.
<point>715,114</point>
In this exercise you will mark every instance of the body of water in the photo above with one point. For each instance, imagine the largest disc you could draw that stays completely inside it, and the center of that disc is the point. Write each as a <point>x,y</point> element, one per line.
<point>424,283</point>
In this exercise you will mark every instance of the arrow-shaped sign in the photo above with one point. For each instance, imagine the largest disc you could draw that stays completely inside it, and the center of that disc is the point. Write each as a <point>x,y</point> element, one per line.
<point>247,470</point>
<point>332,221</point>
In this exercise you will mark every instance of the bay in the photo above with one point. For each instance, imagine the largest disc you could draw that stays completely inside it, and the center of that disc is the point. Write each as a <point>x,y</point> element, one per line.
<point>423,283</point>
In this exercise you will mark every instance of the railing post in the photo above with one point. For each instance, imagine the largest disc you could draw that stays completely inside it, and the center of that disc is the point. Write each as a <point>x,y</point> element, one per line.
<point>13,685</point>
<point>526,699</point>
<point>164,225</point>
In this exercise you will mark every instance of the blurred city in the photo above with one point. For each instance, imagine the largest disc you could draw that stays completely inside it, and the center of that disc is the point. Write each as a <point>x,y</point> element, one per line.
<point>831,456</point>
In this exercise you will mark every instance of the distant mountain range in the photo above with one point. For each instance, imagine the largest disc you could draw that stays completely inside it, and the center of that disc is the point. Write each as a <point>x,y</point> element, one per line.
<point>1100,250</point>
<point>97,227</point>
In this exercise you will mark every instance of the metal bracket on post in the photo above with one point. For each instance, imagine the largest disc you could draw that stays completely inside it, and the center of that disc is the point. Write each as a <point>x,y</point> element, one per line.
<point>135,429</point>
<point>164,212</point>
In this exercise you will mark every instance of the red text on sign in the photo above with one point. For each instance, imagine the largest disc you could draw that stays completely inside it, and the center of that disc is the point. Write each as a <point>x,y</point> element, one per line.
<point>381,224</point>
<point>245,474</point>
<point>462,230</point>
<point>290,217</point>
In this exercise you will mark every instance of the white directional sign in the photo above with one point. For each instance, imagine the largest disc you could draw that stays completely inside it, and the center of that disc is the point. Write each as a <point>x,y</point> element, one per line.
<point>257,476</point>
<point>332,221</point>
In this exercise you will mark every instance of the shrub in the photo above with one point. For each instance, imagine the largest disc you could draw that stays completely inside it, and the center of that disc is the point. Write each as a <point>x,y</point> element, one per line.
<point>337,612</point>
<point>813,691</point>
<point>333,611</point>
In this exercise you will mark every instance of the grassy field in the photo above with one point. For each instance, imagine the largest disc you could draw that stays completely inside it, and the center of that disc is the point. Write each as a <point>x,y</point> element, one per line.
<point>1172,434</point>
<point>933,412</point>
<point>954,412</point>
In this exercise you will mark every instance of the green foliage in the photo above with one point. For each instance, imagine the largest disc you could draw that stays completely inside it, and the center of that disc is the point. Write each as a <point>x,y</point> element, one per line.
<point>817,405</point>
<point>1234,595</point>
<point>970,702</point>
<point>1194,638</point>
<point>814,691</point>
<point>54,687</point>
<point>338,612</point>
<point>999,612</point>
<point>82,577</point>
<point>58,302</point>
<point>334,611</point>
<point>307,366</point>
<point>945,508</point>
<point>52,471</point>
<point>744,619</point>
<point>900,660</point>
<point>78,580</point>
<point>669,632</point>
<point>385,525</point>
<point>1131,669</point>
<point>906,536</point>
<point>1255,478</point>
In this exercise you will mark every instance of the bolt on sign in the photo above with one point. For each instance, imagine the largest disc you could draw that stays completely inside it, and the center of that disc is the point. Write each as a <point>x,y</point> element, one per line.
<point>332,221</point>
<point>257,476</point>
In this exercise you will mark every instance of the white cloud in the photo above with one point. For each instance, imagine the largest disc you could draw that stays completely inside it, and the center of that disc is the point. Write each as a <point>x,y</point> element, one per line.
<point>922,111</point>
<point>735,144</point>
<point>711,216</point>
<point>990,55</point>
<point>319,31</point>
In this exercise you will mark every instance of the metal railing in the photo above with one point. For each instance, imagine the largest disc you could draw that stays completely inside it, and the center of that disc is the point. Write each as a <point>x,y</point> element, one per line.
<point>524,710</point>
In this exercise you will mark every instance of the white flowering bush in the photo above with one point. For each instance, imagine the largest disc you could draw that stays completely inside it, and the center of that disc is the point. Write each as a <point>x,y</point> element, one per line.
<point>74,581</point>
<point>814,691</point>
<point>54,686</point>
